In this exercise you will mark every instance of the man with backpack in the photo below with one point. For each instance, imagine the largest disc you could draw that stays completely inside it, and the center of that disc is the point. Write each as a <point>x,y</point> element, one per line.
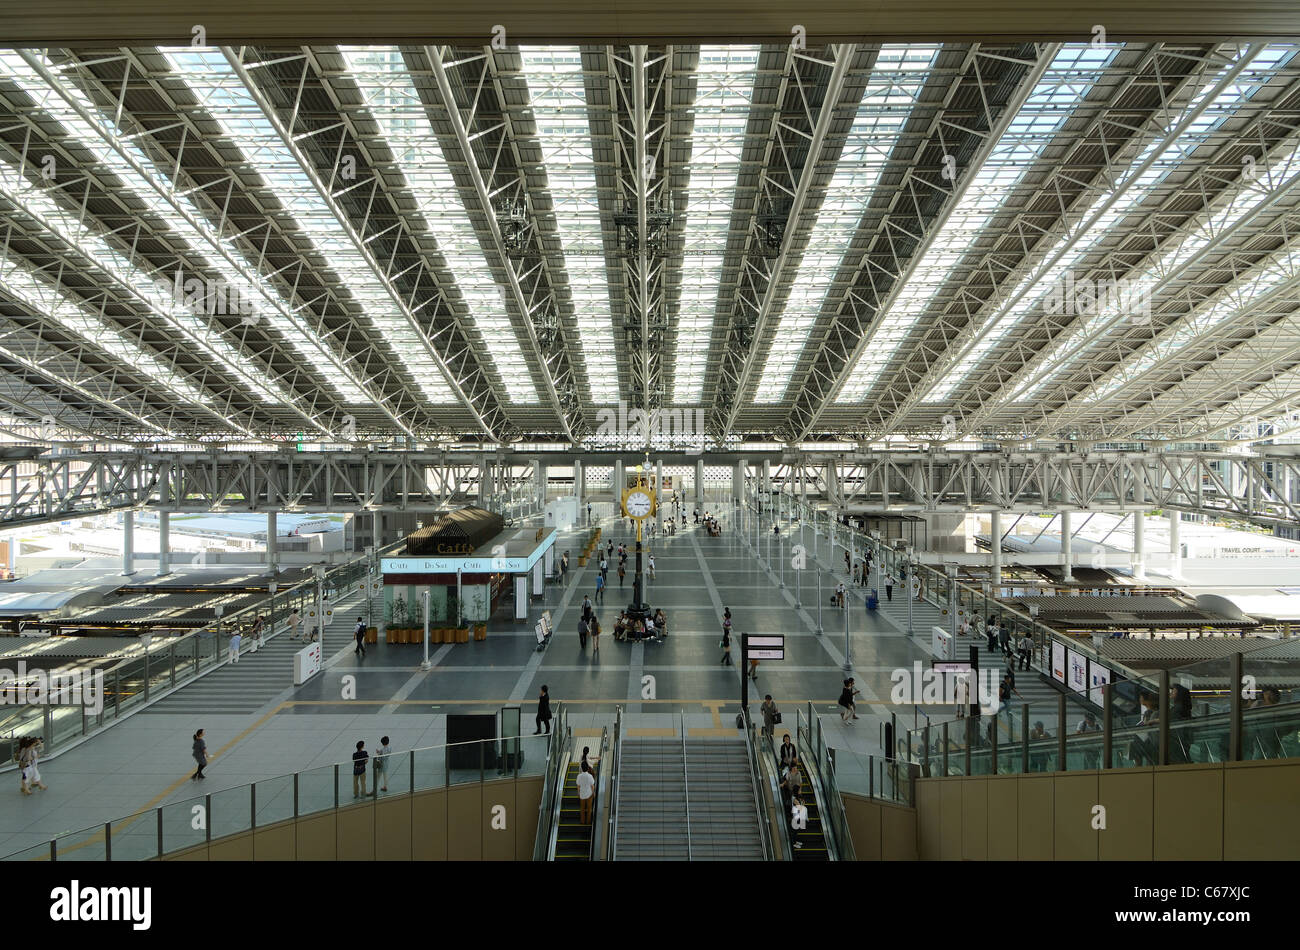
<point>583,630</point>
<point>360,633</point>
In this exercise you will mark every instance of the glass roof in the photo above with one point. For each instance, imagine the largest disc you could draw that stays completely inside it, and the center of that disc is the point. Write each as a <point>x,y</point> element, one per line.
<point>896,81</point>
<point>723,97</point>
<point>128,273</point>
<point>216,85</point>
<point>558,98</point>
<point>381,75</point>
<point>1133,188</point>
<point>1050,104</point>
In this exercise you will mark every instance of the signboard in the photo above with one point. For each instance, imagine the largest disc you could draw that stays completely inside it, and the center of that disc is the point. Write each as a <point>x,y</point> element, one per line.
<point>1098,676</point>
<point>467,565</point>
<point>765,647</point>
<point>306,663</point>
<point>940,643</point>
<point>1077,672</point>
<point>951,667</point>
<point>1058,661</point>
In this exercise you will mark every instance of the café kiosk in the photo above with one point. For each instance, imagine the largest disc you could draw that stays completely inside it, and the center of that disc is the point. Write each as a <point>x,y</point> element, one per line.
<point>464,561</point>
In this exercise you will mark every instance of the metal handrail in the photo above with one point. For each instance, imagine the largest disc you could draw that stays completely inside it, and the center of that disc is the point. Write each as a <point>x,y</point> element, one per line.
<point>752,755</point>
<point>808,755</point>
<point>560,769</point>
<point>687,786</point>
<point>773,786</point>
<point>613,782</point>
<point>596,845</point>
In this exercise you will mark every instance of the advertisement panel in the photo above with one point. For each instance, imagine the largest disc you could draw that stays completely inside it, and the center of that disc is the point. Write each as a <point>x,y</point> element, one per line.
<point>1098,676</point>
<point>1058,661</point>
<point>1077,672</point>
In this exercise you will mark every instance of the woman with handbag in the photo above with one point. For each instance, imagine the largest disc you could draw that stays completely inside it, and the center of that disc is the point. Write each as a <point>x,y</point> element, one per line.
<point>726,642</point>
<point>771,716</point>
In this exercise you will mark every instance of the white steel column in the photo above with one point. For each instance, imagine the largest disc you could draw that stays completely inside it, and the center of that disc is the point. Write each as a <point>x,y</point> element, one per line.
<point>128,542</point>
<point>699,481</point>
<point>272,555</point>
<point>1175,547</point>
<point>164,543</point>
<point>1139,541</point>
<point>620,483</point>
<point>1065,546</point>
<point>659,490</point>
<point>738,481</point>
<point>579,483</point>
<point>995,544</point>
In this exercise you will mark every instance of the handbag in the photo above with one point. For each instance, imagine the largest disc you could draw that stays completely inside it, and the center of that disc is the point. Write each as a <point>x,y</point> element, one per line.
<point>776,719</point>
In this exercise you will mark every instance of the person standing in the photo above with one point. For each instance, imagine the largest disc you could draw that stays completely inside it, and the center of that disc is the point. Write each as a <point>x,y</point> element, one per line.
<point>839,595</point>
<point>359,632</point>
<point>963,628</point>
<point>600,588</point>
<point>1004,640</point>
<point>359,759</point>
<point>889,586</point>
<point>255,634</point>
<point>586,793</point>
<point>753,670</point>
<point>543,711</point>
<point>726,642</point>
<point>200,754</point>
<point>651,565</point>
<point>588,512</point>
<point>28,755</point>
<point>564,568</point>
<point>848,561</point>
<point>787,754</point>
<point>770,716</point>
<point>622,573</point>
<point>295,621</point>
<point>235,637</point>
<point>381,764</point>
<point>992,632</point>
<point>604,566</point>
<point>1025,651</point>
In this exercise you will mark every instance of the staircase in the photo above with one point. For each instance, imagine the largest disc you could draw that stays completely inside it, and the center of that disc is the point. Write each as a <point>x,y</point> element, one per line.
<point>723,814</point>
<point>259,677</point>
<point>651,802</point>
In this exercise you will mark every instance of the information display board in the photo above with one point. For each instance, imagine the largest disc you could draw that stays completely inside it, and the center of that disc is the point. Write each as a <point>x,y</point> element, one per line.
<point>1077,672</point>
<point>1098,676</point>
<point>1058,661</point>
<point>765,647</point>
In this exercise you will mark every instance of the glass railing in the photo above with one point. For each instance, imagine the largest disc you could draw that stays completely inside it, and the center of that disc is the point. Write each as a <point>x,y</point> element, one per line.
<point>756,785</point>
<point>135,681</point>
<point>172,827</point>
<point>557,766</point>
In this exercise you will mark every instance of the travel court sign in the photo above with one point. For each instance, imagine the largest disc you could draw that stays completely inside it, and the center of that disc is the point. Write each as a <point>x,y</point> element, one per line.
<point>764,647</point>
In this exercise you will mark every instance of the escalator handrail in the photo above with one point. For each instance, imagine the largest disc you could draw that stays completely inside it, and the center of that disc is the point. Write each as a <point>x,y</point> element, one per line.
<point>613,782</point>
<point>541,844</point>
<point>774,787</point>
<point>560,772</point>
<point>601,773</point>
<point>751,754</point>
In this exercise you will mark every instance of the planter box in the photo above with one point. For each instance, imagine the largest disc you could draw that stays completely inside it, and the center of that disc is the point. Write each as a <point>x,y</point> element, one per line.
<point>462,635</point>
<point>480,631</point>
<point>390,635</point>
<point>372,634</point>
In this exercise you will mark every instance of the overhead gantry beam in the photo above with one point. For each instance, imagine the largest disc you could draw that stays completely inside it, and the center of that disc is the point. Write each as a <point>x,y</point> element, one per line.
<point>51,488</point>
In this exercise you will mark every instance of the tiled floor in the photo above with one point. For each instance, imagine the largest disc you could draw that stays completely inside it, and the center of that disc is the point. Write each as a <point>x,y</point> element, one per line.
<point>145,761</point>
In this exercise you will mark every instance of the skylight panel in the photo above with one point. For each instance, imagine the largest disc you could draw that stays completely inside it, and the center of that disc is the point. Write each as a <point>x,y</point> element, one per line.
<point>233,108</point>
<point>381,75</point>
<point>1134,188</point>
<point>1048,107</point>
<point>896,81</point>
<point>724,95</point>
<point>558,98</point>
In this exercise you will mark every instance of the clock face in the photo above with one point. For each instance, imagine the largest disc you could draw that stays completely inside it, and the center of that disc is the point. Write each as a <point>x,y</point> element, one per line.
<point>638,504</point>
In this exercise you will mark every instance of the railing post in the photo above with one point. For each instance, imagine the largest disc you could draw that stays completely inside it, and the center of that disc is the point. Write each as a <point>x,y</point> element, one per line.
<point>160,831</point>
<point>336,786</point>
<point>1234,730</point>
<point>54,850</point>
<point>925,738</point>
<point>117,693</point>
<point>993,740</point>
<point>971,732</point>
<point>1163,718</point>
<point>295,794</point>
<point>945,750</point>
<point>1060,733</point>
<point>146,676</point>
<point>171,656</point>
<point>252,804</point>
<point>47,725</point>
<point>108,841</point>
<point>871,776</point>
<point>207,811</point>
<point>1024,739</point>
<point>1107,726</point>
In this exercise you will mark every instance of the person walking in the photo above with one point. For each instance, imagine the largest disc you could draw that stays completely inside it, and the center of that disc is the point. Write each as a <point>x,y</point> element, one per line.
<point>200,754</point>
<point>586,608</point>
<point>295,621</point>
<point>588,512</point>
<point>381,764</point>
<point>1025,651</point>
<point>726,643</point>
<point>586,792</point>
<point>753,670</point>
<point>839,595</point>
<point>847,562</point>
<point>359,632</point>
<point>600,588</point>
<point>622,573</point>
<point>564,568</point>
<point>255,634</point>
<point>847,710</point>
<point>771,716</point>
<point>28,755</point>
<point>359,759</point>
<point>543,711</point>
<point>651,564</point>
<point>889,586</point>
<point>595,636</point>
<point>235,637</point>
<point>583,630</point>
<point>1004,640</point>
<point>604,566</point>
<point>991,631</point>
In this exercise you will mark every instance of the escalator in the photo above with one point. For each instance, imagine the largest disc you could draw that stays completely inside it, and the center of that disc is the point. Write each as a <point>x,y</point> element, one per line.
<point>809,843</point>
<point>572,837</point>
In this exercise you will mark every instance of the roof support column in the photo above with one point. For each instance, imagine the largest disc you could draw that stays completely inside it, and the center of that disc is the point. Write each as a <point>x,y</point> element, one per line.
<point>272,544</point>
<point>164,543</point>
<point>128,542</point>
<point>995,543</point>
<point>1068,574</point>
